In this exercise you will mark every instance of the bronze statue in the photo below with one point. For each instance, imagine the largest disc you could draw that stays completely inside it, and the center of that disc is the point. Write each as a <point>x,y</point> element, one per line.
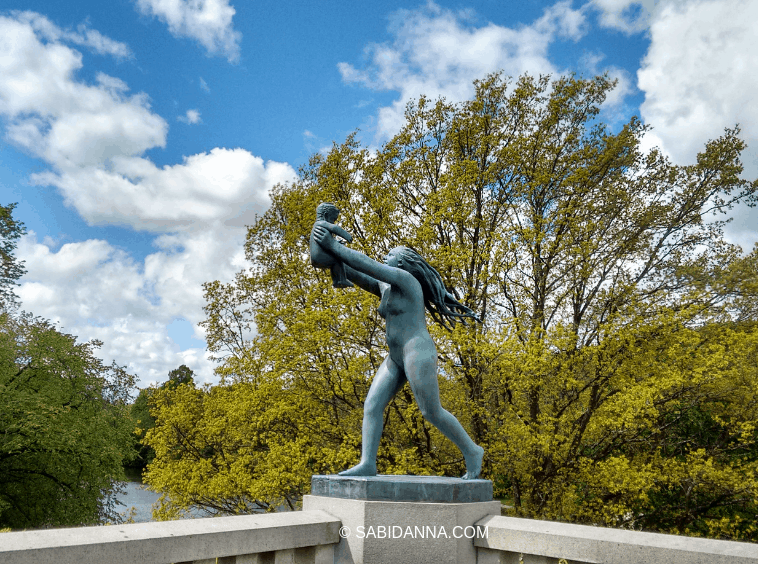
<point>407,285</point>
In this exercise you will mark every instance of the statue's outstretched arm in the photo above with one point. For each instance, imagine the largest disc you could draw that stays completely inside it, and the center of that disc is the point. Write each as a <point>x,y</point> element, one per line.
<point>363,280</point>
<point>360,262</point>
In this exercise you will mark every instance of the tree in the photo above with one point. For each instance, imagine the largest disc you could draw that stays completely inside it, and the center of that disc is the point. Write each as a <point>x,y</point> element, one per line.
<point>64,427</point>
<point>609,302</point>
<point>143,419</point>
<point>140,414</point>
<point>181,375</point>
<point>10,268</point>
<point>234,447</point>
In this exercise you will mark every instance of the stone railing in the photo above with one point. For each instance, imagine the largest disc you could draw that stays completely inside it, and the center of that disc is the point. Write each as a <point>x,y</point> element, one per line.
<point>276,538</point>
<point>312,536</point>
<point>510,540</point>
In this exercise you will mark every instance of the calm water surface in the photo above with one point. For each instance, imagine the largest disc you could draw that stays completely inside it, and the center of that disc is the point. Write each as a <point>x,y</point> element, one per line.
<point>141,499</point>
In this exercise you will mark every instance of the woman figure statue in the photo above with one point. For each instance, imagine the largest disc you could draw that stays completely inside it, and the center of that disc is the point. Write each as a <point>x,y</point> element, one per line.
<point>407,285</point>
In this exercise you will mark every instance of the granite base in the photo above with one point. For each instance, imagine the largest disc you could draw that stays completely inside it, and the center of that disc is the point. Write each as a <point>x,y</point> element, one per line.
<point>396,525</point>
<point>434,489</point>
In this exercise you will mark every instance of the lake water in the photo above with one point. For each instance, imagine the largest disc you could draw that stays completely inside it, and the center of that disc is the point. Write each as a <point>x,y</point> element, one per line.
<point>141,499</point>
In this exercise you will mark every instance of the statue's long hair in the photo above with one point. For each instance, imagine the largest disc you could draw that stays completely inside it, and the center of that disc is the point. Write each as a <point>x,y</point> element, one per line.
<point>443,306</point>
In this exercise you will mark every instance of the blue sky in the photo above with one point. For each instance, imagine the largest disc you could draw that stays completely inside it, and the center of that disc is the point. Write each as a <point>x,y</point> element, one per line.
<point>139,137</point>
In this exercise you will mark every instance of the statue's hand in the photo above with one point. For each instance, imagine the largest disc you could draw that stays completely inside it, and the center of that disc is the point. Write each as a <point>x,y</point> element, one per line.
<point>323,238</point>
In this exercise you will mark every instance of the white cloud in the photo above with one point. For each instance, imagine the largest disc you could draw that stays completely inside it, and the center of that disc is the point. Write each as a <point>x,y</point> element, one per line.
<point>438,52</point>
<point>699,76</point>
<point>204,85</point>
<point>624,86</point>
<point>94,290</point>
<point>90,38</point>
<point>629,16</point>
<point>614,110</point>
<point>228,185</point>
<point>562,20</point>
<point>207,21</point>
<point>94,136</point>
<point>89,274</point>
<point>64,121</point>
<point>701,73</point>
<point>191,117</point>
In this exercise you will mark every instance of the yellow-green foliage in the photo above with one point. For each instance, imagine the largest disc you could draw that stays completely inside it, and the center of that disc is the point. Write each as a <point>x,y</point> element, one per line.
<point>613,381</point>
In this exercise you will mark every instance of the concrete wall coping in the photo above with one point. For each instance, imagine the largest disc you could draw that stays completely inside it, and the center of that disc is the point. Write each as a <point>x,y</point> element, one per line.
<point>582,543</point>
<point>199,539</point>
<point>171,541</point>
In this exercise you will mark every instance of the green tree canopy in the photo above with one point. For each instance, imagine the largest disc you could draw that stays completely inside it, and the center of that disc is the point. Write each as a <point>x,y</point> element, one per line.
<point>64,427</point>
<point>615,321</point>
<point>181,375</point>
<point>143,419</point>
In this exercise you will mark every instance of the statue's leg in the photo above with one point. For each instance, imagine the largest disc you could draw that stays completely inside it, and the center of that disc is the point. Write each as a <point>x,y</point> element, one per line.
<point>420,363</point>
<point>339,278</point>
<point>387,382</point>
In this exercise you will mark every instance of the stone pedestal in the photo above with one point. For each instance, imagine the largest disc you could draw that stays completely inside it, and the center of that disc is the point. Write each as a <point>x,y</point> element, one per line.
<point>405,519</point>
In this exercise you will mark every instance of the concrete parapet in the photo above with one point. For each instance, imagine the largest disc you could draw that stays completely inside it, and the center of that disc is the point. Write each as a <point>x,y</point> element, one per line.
<point>546,542</point>
<point>374,532</point>
<point>301,536</point>
<point>378,532</point>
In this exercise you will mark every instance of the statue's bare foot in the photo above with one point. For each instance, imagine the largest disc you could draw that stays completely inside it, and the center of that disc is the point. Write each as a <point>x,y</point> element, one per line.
<point>474,466</point>
<point>362,469</point>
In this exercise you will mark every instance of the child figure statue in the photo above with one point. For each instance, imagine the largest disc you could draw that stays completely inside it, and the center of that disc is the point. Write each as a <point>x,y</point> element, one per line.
<point>326,215</point>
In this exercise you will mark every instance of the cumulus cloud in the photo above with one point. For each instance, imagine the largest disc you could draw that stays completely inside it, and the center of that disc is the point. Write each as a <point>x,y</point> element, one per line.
<point>207,21</point>
<point>62,120</point>
<point>94,137</point>
<point>624,87</point>
<point>700,73</point>
<point>629,16</point>
<point>191,117</point>
<point>89,274</point>
<point>614,110</point>
<point>699,76</point>
<point>83,36</point>
<point>228,185</point>
<point>94,290</point>
<point>438,52</point>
